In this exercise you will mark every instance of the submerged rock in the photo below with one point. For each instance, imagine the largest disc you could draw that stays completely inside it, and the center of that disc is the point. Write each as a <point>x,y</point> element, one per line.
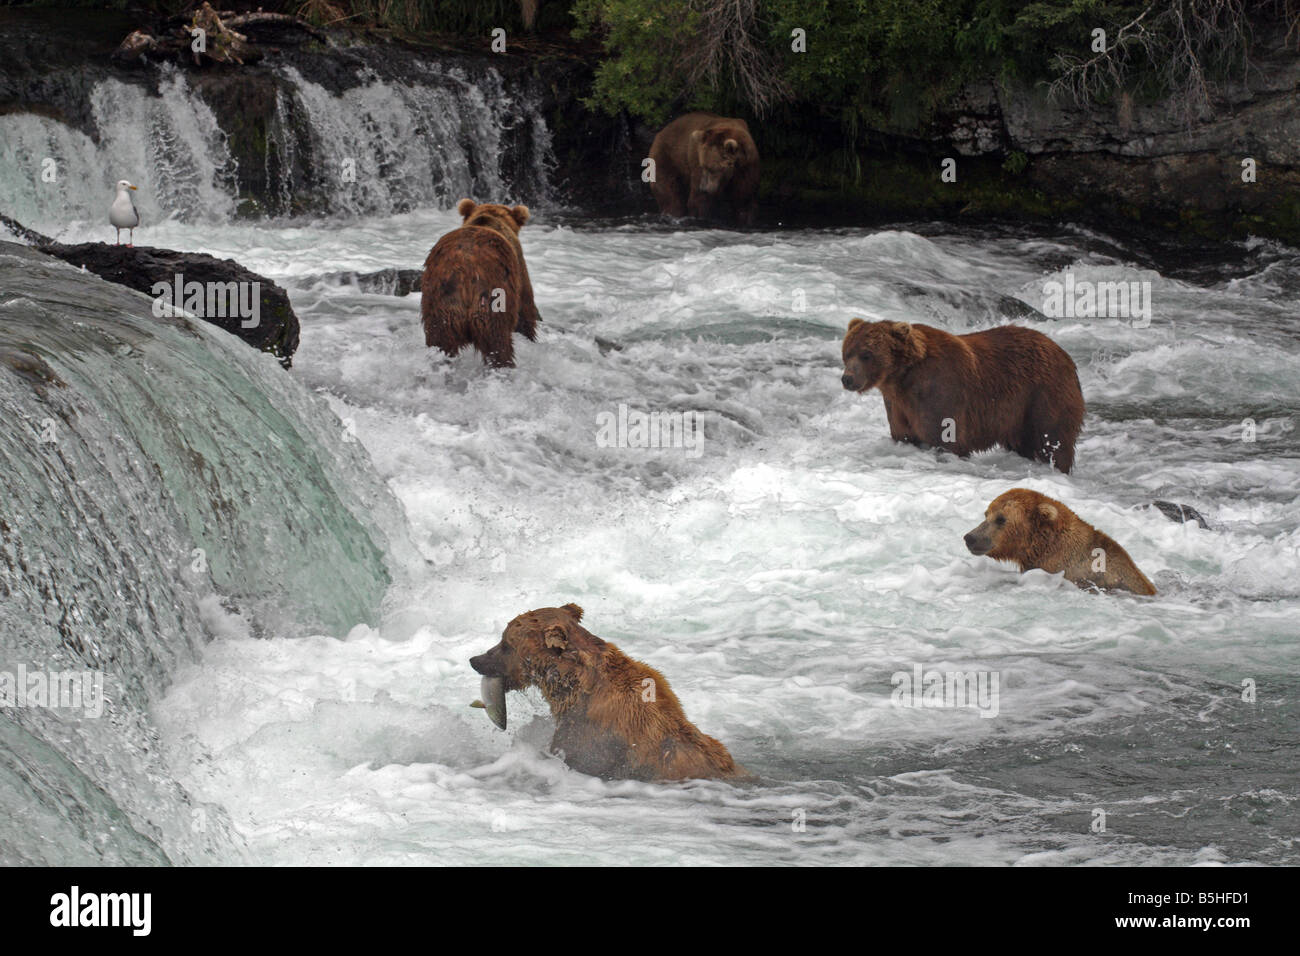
<point>397,282</point>
<point>1180,513</point>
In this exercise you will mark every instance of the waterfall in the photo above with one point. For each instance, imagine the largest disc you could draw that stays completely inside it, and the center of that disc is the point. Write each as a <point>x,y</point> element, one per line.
<point>156,476</point>
<point>378,144</point>
<point>385,147</point>
<point>170,145</point>
<point>160,482</point>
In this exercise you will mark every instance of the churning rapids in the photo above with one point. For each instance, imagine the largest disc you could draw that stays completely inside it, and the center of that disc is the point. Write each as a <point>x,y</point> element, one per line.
<point>283,575</point>
<point>778,579</point>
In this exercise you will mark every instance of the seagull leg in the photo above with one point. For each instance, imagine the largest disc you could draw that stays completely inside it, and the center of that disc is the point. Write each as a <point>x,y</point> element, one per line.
<point>130,238</point>
<point>119,236</point>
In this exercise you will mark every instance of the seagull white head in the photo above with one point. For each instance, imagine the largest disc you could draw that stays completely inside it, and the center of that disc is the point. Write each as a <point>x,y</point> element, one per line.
<point>123,184</point>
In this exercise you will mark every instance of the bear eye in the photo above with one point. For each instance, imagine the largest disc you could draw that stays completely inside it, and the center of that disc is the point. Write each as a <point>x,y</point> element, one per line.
<point>864,355</point>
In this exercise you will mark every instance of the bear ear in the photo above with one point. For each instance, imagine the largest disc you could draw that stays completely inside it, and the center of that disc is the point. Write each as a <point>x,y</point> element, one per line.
<point>1048,510</point>
<point>731,146</point>
<point>465,207</point>
<point>854,323</point>
<point>906,335</point>
<point>520,214</point>
<point>575,612</point>
<point>697,136</point>
<point>554,636</point>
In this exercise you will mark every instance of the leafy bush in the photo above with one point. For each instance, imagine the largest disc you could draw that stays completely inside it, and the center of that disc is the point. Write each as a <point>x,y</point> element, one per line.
<point>887,64</point>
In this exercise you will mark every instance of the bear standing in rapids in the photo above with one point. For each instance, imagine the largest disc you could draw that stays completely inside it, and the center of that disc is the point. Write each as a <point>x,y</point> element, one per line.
<point>614,717</point>
<point>1036,531</point>
<point>1008,386</point>
<point>475,288</point>
<point>706,166</point>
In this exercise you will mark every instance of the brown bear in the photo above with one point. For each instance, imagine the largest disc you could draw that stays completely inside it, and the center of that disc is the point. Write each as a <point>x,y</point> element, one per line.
<point>614,717</point>
<point>707,166</point>
<point>1008,386</point>
<point>475,288</point>
<point>1039,532</point>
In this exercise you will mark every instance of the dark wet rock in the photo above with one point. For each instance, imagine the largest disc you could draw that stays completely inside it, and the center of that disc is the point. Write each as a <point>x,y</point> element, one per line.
<point>1014,308</point>
<point>240,301</point>
<point>29,236</point>
<point>947,305</point>
<point>384,282</point>
<point>1180,513</point>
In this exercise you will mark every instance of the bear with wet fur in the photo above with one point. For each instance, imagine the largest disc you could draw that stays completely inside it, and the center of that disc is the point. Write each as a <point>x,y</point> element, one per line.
<point>1036,531</point>
<point>475,288</point>
<point>615,718</point>
<point>706,166</point>
<point>1008,386</point>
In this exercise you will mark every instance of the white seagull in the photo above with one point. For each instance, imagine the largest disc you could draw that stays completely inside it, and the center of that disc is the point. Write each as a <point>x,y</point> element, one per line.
<point>122,214</point>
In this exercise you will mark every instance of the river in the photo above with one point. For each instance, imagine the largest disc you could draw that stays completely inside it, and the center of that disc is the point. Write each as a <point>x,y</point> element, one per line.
<point>781,572</point>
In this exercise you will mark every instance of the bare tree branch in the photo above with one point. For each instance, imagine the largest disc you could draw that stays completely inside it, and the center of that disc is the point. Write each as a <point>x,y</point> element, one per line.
<point>1184,44</point>
<point>728,46</point>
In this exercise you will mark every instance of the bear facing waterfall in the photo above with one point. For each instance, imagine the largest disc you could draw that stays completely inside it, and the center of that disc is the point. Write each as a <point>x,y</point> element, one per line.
<point>475,288</point>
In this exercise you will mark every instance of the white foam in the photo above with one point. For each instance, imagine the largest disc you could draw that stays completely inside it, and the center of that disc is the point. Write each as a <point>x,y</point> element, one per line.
<point>778,580</point>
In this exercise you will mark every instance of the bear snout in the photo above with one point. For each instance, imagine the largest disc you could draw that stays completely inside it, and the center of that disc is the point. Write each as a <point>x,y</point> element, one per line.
<point>489,664</point>
<point>709,182</point>
<point>977,543</point>
<point>847,381</point>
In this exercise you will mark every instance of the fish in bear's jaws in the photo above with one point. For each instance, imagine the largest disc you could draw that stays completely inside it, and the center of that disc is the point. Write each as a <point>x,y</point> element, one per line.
<point>494,699</point>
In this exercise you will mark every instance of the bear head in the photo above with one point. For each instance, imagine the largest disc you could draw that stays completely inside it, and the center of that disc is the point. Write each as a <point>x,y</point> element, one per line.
<point>874,351</point>
<point>719,151</point>
<point>546,648</point>
<point>507,220</point>
<point>1018,525</point>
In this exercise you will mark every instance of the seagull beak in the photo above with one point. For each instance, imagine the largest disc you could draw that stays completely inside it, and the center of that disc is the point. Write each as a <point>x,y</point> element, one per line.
<point>132,187</point>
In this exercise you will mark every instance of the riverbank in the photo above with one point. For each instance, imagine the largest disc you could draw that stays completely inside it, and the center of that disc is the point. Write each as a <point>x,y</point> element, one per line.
<point>1128,168</point>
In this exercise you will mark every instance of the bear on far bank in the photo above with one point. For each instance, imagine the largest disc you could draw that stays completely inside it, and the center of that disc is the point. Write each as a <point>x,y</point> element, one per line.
<point>475,288</point>
<point>706,166</point>
<point>1036,531</point>
<point>1008,386</point>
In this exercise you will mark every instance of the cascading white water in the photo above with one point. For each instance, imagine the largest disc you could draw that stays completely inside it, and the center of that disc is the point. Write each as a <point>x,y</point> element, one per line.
<point>155,475</point>
<point>170,145</point>
<point>380,147</point>
<point>176,140</point>
<point>383,147</point>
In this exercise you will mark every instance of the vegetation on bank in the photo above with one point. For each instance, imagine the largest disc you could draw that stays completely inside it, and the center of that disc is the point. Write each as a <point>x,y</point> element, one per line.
<point>881,64</point>
<point>846,91</point>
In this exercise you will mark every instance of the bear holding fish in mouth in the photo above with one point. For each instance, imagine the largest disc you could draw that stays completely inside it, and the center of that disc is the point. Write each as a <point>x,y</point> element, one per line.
<point>614,717</point>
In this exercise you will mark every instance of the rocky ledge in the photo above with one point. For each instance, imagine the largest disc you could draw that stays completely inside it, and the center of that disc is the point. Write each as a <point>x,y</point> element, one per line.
<point>219,291</point>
